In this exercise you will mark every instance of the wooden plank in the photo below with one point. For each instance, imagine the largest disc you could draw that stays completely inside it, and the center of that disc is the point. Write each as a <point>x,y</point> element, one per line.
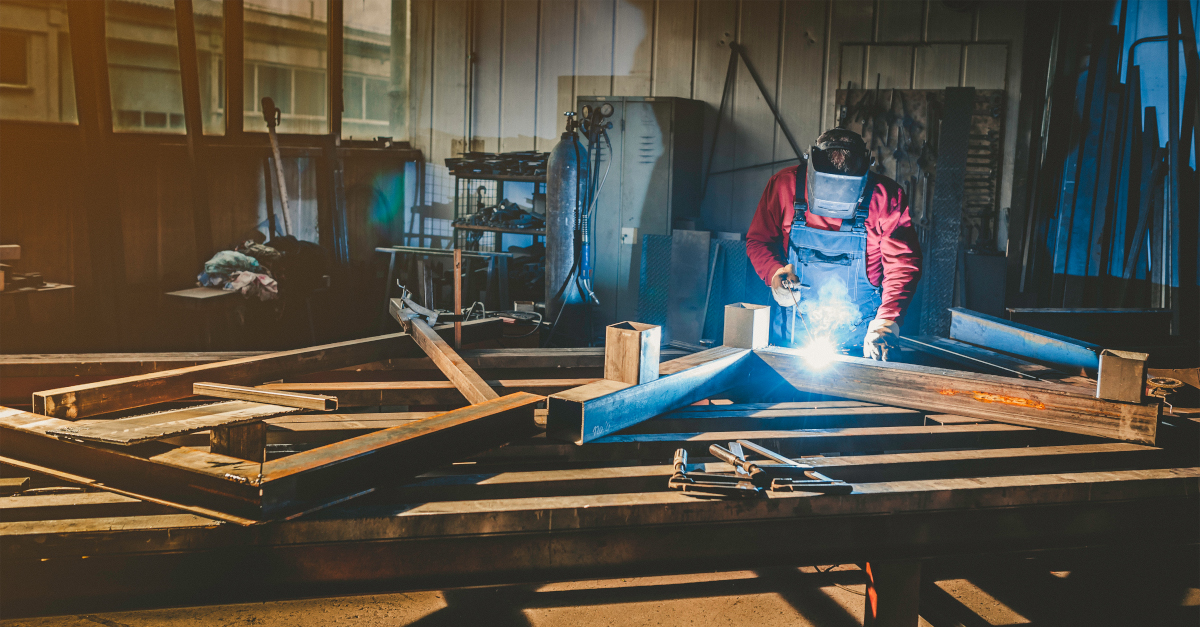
<point>269,396</point>
<point>90,399</point>
<point>368,393</point>
<point>595,410</point>
<point>472,485</point>
<point>968,354</point>
<point>138,429</point>
<point>460,374</point>
<point>1036,404</point>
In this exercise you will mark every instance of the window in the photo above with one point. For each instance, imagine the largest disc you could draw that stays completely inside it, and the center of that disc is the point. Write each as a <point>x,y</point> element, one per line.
<point>286,55</point>
<point>36,80</point>
<point>210,54</point>
<point>143,66</point>
<point>14,58</point>
<point>372,89</point>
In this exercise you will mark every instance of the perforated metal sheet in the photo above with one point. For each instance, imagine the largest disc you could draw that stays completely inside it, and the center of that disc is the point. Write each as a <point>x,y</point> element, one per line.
<point>945,235</point>
<point>654,279</point>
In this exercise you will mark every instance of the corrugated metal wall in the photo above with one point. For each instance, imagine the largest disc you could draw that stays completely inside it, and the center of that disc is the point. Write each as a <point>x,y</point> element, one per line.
<point>502,73</point>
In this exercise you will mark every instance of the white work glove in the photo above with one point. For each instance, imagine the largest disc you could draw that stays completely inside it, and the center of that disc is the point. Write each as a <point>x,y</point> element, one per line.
<point>784,296</point>
<point>880,334</point>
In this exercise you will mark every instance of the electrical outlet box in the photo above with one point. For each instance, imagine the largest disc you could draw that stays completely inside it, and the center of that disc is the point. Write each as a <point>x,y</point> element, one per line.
<point>628,236</point>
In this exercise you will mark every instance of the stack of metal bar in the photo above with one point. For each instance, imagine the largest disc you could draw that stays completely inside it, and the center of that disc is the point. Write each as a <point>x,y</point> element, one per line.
<point>529,464</point>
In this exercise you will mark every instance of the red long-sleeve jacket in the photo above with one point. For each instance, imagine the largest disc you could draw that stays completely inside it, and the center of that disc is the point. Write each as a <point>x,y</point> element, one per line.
<point>893,253</point>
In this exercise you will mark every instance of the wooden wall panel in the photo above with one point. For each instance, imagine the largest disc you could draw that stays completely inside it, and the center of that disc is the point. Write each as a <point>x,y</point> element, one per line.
<point>937,66</point>
<point>801,64</point>
<point>851,21</point>
<point>488,51</point>
<point>986,65</point>
<point>420,99</point>
<point>716,25</point>
<point>449,84</point>
<point>556,70</point>
<point>951,24</point>
<point>518,92</point>
<point>674,37</point>
<point>594,60</point>
<point>852,66</point>
<point>900,20</point>
<point>755,132</point>
<point>889,67</point>
<point>634,50</point>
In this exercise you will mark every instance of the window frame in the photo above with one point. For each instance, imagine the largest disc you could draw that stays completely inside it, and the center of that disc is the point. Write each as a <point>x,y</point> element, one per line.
<point>28,38</point>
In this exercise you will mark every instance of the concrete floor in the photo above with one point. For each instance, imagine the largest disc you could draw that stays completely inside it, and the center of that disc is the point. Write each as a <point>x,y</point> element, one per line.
<point>1001,591</point>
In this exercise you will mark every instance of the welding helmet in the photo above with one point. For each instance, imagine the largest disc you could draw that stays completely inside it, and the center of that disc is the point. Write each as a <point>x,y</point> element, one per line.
<point>837,173</point>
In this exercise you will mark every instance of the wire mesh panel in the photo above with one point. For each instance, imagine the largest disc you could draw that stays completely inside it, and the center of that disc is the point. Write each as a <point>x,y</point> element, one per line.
<point>654,279</point>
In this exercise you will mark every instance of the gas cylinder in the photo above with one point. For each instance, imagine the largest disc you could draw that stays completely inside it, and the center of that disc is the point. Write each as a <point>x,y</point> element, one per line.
<point>566,184</point>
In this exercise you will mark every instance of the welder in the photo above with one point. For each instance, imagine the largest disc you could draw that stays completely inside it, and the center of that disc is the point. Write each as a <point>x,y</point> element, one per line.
<point>831,227</point>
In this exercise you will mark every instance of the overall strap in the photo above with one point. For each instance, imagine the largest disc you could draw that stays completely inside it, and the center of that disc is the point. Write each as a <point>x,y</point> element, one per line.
<point>864,207</point>
<point>800,201</point>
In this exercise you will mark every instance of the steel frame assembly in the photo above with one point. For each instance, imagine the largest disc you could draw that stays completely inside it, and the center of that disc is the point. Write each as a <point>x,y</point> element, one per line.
<point>470,481</point>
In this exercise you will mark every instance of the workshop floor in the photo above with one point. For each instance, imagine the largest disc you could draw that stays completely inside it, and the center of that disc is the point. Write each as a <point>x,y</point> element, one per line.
<point>1001,591</point>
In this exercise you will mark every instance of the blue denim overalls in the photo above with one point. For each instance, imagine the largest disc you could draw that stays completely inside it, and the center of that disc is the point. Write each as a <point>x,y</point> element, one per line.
<point>836,299</point>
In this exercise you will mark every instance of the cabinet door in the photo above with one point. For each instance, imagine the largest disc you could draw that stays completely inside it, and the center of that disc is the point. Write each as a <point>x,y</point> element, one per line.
<point>645,192</point>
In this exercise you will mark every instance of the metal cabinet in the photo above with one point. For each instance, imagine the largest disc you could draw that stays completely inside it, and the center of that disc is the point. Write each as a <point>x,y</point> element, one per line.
<point>654,171</point>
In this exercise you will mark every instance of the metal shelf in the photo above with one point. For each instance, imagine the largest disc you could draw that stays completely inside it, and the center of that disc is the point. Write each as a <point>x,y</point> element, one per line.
<point>497,229</point>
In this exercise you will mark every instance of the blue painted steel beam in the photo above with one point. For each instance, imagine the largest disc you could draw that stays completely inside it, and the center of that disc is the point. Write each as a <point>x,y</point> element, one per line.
<point>1024,341</point>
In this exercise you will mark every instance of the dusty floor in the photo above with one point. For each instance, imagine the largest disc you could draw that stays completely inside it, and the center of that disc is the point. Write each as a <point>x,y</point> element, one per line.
<point>987,592</point>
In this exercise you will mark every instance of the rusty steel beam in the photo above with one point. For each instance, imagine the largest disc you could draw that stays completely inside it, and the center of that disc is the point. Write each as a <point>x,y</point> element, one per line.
<point>89,399</point>
<point>242,491</point>
<point>1045,405</point>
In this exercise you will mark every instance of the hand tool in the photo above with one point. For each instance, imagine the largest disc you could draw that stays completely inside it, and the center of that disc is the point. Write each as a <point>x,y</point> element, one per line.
<point>751,479</point>
<point>709,484</point>
<point>272,115</point>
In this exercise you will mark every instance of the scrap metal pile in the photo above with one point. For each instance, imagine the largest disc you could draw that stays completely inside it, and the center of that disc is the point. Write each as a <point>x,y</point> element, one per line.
<point>504,215</point>
<point>96,434</point>
<point>349,463</point>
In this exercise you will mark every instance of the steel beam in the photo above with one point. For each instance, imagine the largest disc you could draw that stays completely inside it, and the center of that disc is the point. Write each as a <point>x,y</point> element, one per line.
<point>472,386</point>
<point>241,491</point>
<point>1030,403</point>
<point>1025,341</point>
<point>275,397</point>
<point>595,410</point>
<point>89,399</point>
<point>595,535</point>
